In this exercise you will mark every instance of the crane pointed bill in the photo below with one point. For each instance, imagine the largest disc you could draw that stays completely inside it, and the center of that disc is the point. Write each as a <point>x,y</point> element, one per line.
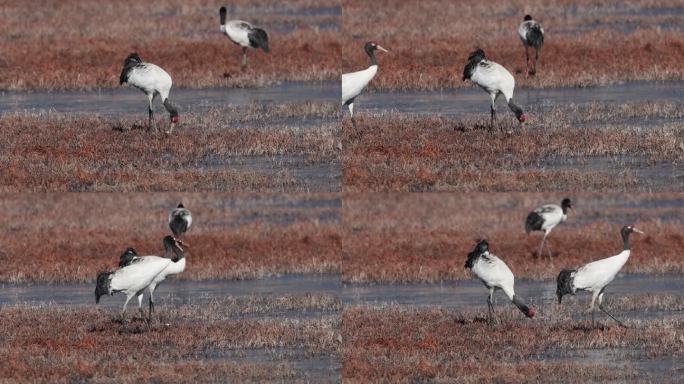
<point>181,242</point>
<point>638,231</point>
<point>381,48</point>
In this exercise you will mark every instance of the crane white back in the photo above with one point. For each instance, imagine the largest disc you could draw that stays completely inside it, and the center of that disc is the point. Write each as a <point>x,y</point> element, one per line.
<point>140,273</point>
<point>151,80</point>
<point>493,79</point>
<point>354,83</point>
<point>595,276</point>
<point>545,219</point>
<point>243,34</point>
<point>495,275</point>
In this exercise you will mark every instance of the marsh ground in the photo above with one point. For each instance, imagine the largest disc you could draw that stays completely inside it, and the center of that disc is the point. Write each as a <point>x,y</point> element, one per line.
<point>584,146</point>
<point>293,338</point>
<point>291,147</point>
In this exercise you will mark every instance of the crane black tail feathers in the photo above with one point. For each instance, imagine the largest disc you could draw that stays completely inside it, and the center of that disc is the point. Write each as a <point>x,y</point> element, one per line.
<point>528,311</point>
<point>131,62</point>
<point>565,281</point>
<point>258,38</point>
<point>535,36</point>
<point>473,60</point>
<point>533,222</point>
<point>102,287</point>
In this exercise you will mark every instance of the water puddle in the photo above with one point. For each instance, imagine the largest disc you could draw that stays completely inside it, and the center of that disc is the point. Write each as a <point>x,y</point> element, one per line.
<point>645,367</point>
<point>660,176</point>
<point>304,175</point>
<point>457,102</point>
<point>173,290</point>
<point>128,101</point>
<point>471,294</point>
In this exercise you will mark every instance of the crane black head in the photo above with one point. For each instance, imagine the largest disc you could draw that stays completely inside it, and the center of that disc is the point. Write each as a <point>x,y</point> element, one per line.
<point>481,247</point>
<point>477,55</point>
<point>565,204</point>
<point>625,232</point>
<point>527,18</point>
<point>180,205</point>
<point>133,58</point>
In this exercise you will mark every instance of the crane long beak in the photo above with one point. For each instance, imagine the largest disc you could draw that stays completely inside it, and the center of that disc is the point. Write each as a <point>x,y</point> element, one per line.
<point>183,243</point>
<point>638,231</point>
<point>381,48</point>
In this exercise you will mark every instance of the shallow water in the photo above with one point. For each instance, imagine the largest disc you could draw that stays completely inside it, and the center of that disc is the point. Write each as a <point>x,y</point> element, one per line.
<point>178,291</point>
<point>126,100</point>
<point>456,102</point>
<point>468,294</point>
<point>661,176</point>
<point>305,175</point>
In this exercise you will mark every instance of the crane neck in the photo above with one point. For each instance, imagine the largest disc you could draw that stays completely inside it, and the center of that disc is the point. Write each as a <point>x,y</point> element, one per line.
<point>625,239</point>
<point>371,54</point>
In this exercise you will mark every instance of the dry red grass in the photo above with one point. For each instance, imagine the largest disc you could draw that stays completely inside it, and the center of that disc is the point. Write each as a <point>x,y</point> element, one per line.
<point>412,153</point>
<point>233,237</point>
<point>586,43</point>
<point>78,44</point>
<point>54,152</point>
<point>67,344</point>
<point>405,237</point>
<point>407,345</point>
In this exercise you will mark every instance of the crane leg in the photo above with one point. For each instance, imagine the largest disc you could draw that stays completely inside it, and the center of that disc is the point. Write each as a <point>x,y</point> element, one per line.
<point>493,110</point>
<point>536,58</point>
<point>541,246</point>
<point>152,288</point>
<point>600,305</point>
<point>527,61</point>
<point>353,120</point>
<point>490,306</point>
<point>140,309</point>
<point>592,308</point>
<point>244,58</point>
<point>123,311</point>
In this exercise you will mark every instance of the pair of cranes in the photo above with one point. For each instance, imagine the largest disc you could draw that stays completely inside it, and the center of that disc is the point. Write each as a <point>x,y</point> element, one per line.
<point>490,76</point>
<point>154,81</point>
<point>592,277</point>
<point>137,273</point>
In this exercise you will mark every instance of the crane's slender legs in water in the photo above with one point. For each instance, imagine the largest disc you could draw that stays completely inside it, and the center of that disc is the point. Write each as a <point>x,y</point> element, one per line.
<point>600,305</point>
<point>244,58</point>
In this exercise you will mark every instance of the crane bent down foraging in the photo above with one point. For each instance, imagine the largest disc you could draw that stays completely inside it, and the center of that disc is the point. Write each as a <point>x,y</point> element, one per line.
<point>495,80</point>
<point>494,274</point>
<point>153,81</point>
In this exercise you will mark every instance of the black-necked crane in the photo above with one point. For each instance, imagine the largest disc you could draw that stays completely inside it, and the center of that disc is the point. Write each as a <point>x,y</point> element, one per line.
<point>595,276</point>
<point>354,83</point>
<point>495,275</point>
<point>532,35</point>
<point>546,218</point>
<point>243,34</point>
<point>142,272</point>
<point>153,81</point>
<point>180,220</point>
<point>495,80</point>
